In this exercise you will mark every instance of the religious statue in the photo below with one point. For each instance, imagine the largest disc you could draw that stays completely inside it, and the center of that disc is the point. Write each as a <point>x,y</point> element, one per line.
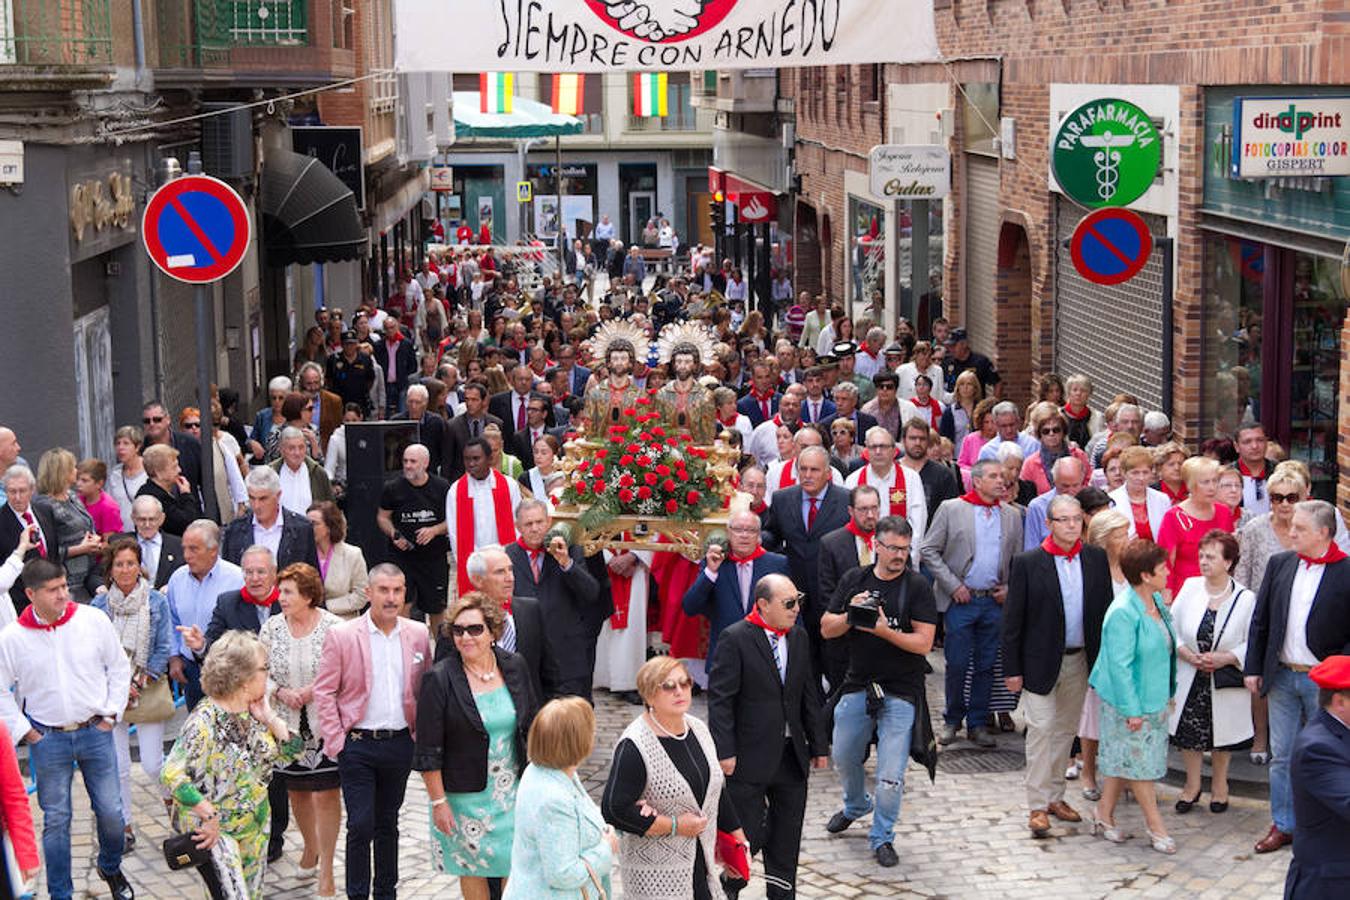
<point>617,343</point>
<point>685,405</point>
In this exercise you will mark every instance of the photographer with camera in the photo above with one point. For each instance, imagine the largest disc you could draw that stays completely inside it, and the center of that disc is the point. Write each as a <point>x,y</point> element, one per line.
<point>886,614</point>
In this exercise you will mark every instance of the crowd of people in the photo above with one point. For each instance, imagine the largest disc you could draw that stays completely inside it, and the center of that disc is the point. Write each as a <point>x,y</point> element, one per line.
<point>1068,558</point>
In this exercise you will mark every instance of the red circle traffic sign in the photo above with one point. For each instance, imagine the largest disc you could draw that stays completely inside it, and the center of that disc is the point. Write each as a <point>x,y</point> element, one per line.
<point>196,229</point>
<point>1110,246</point>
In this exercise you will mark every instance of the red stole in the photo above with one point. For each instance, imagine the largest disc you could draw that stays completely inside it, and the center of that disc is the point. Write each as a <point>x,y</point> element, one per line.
<point>465,539</point>
<point>1334,554</point>
<point>264,602</point>
<point>28,618</point>
<point>621,590</point>
<point>788,477</point>
<point>934,410</point>
<point>898,497</point>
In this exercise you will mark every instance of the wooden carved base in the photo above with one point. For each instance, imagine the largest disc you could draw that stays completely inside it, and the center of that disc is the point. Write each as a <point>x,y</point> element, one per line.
<point>685,538</point>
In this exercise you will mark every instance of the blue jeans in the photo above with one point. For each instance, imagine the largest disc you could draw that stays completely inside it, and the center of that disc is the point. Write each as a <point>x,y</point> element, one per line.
<point>53,761</point>
<point>1292,699</point>
<point>971,640</point>
<point>852,732</point>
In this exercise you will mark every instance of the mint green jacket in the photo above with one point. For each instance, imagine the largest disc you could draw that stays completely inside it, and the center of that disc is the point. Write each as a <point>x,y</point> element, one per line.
<point>1136,670</point>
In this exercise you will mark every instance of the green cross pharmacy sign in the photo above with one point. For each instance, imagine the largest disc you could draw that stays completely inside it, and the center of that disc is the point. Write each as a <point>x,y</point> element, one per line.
<point>1106,153</point>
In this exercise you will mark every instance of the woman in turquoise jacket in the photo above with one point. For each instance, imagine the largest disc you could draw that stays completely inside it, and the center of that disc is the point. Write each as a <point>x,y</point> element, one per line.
<point>563,849</point>
<point>1135,676</point>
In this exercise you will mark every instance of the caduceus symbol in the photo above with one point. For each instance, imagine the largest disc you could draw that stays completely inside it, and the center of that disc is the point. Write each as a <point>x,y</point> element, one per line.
<point>1107,159</point>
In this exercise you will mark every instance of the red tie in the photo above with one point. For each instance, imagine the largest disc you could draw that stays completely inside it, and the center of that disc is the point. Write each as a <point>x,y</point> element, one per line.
<point>811,513</point>
<point>764,406</point>
<point>520,417</point>
<point>534,563</point>
<point>41,541</point>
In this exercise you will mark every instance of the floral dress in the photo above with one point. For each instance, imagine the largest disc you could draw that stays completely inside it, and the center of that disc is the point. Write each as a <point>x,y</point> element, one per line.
<point>485,821</point>
<point>227,758</point>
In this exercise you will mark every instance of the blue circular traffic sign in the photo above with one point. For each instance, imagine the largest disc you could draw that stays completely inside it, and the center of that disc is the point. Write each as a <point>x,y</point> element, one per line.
<point>1110,246</point>
<point>196,229</point>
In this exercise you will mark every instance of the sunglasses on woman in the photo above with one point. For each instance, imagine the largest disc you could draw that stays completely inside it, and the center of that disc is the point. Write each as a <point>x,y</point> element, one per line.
<point>1283,498</point>
<point>677,684</point>
<point>474,630</point>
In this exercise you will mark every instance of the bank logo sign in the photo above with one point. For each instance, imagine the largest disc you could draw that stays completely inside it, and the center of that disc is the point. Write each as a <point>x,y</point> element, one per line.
<point>1284,136</point>
<point>658,35</point>
<point>1106,153</point>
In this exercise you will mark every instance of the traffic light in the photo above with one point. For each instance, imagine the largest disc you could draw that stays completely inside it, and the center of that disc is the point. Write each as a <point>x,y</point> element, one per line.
<point>718,217</point>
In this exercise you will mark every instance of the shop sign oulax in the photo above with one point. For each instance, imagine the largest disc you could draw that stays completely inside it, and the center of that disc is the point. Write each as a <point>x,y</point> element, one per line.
<point>913,172</point>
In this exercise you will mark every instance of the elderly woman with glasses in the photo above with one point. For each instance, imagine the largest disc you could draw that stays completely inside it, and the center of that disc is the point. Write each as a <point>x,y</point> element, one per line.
<point>1051,431</point>
<point>269,417</point>
<point>665,793</point>
<point>297,411</point>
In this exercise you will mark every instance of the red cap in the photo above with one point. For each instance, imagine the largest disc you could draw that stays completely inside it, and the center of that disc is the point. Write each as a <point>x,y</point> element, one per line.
<point>1332,673</point>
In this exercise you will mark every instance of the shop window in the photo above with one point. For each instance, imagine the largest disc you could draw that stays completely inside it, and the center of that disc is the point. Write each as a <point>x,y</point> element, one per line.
<point>1234,332</point>
<point>867,251</point>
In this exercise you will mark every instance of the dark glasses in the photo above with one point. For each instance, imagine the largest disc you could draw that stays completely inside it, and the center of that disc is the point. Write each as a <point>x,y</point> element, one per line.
<point>1053,429</point>
<point>677,684</point>
<point>1283,498</point>
<point>474,630</point>
<point>152,420</point>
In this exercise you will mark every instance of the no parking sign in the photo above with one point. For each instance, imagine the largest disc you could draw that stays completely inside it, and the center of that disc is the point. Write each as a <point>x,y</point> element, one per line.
<point>1110,246</point>
<point>196,229</point>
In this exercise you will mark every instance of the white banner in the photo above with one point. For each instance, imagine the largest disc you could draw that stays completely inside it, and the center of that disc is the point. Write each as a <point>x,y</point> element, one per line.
<point>665,35</point>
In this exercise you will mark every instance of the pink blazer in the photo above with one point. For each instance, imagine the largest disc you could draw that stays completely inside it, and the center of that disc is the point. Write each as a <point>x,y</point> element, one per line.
<point>342,687</point>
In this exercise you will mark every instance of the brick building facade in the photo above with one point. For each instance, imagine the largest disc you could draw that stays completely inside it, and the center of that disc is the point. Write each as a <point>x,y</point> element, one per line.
<point>1255,285</point>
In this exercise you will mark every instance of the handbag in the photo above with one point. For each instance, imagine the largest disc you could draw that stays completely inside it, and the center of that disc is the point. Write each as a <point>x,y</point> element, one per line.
<point>1228,676</point>
<point>180,852</point>
<point>154,705</point>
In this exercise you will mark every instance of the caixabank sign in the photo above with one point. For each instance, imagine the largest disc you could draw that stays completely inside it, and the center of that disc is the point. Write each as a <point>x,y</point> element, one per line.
<point>1284,136</point>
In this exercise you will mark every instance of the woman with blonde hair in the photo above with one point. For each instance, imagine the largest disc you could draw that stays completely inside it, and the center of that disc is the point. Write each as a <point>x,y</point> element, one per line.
<point>665,793</point>
<point>167,484</point>
<point>76,537</point>
<point>562,845</point>
<point>982,431</point>
<point>1168,460</point>
<point>505,463</point>
<point>958,419</point>
<point>1084,422</point>
<point>1186,523</point>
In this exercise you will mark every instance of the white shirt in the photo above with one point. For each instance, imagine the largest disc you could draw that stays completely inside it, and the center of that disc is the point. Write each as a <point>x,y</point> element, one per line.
<point>64,675</point>
<point>1295,648</point>
<point>192,601</point>
<point>763,442</point>
<point>916,513</point>
<point>122,488</point>
<point>484,510</point>
<point>774,476</point>
<point>867,365</point>
<point>335,461</point>
<point>150,550</point>
<point>907,372</point>
<point>384,707</point>
<point>295,493</point>
<point>269,537</point>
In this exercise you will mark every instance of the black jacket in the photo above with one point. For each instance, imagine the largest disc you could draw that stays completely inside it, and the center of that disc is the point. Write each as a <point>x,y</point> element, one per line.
<point>405,358</point>
<point>532,645</point>
<point>433,432</point>
<point>297,540</point>
<point>1320,777</point>
<point>939,485</point>
<point>11,529</point>
<point>788,535</point>
<point>1033,616</point>
<point>838,556</point>
<point>451,738</point>
<point>503,407</point>
<point>748,705</point>
<point>180,510</point>
<point>233,613</point>
<point>1328,626</point>
<point>574,611</point>
<point>189,458</point>
<point>456,436</point>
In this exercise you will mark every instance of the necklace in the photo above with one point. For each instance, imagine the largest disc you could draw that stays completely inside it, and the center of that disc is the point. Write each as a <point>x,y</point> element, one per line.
<point>481,676</point>
<point>661,728</point>
<point>1221,594</point>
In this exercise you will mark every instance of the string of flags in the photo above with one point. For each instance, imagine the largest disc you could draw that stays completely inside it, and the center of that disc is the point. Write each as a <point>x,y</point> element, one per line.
<point>650,93</point>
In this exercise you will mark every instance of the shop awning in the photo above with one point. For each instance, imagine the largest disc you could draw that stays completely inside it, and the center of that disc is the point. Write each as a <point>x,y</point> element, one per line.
<point>527,119</point>
<point>308,214</point>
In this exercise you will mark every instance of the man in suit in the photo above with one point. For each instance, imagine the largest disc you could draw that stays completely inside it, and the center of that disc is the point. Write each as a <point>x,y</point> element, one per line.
<point>1320,775</point>
<point>573,605</point>
<point>798,518</point>
<point>465,427</point>
<point>723,591</point>
<point>366,696</point>
<point>969,548</point>
<point>816,407</point>
<point>577,376</point>
<point>768,724</point>
<point>512,407</point>
<point>161,554</point>
<point>536,426</point>
<point>158,426</point>
<point>763,441</point>
<point>327,414</point>
<point>433,431</point>
<point>398,360</point>
<point>19,515</point>
<point>846,404</point>
<point>1052,630</point>
<point>492,572</point>
<point>288,535</point>
<point>761,402</point>
<point>1302,616</point>
<point>842,551</point>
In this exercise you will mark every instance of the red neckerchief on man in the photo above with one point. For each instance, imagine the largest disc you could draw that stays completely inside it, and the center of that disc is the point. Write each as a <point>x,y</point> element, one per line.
<point>864,536</point>
<point>1334,554</point>
<point>28,618</point>
<point>1049,546</point>
<point>756,619</point>
<point>1248,473</point>
<point>974,499</point>
<point>264,602</point>
<point>758,552</point>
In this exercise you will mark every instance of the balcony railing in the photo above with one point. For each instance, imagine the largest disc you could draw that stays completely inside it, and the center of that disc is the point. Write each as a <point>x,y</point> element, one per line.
<point>56,32</point>
<point>383,92</point>
<point>685,119</point>
<point>287,36</point>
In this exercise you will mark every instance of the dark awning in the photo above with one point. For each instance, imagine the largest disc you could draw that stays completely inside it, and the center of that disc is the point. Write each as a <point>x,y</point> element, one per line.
<point>308,214</point>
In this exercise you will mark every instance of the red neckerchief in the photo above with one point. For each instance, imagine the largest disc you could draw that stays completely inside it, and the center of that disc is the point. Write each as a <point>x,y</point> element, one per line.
<point>534,554</point>
<point>974,499</point>
<point>756,619</point>
<point>760,511</point>
<point>1181,493</point>
<point>1333,554</point>
<point>754,392</point>
<point>264,602</point>
<point>1248,473</point>
<point>759,551</point>
<point>729,423</point>
<point>857,532</point>
<point>934,409</point>
<point>1049,546</point>
<point>28,618</point>
<point>1077,416</point>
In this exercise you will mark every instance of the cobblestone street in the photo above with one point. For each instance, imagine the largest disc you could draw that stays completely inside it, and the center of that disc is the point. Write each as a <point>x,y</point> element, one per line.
<point>962,837</point>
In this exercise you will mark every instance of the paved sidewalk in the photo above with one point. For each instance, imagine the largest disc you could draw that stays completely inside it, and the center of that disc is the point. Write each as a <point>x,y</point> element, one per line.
<point>963,837</point>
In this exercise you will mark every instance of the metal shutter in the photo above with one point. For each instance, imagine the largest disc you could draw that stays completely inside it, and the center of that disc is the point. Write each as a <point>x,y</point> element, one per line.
<point>1113,334</point>
<point>982,224</point>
